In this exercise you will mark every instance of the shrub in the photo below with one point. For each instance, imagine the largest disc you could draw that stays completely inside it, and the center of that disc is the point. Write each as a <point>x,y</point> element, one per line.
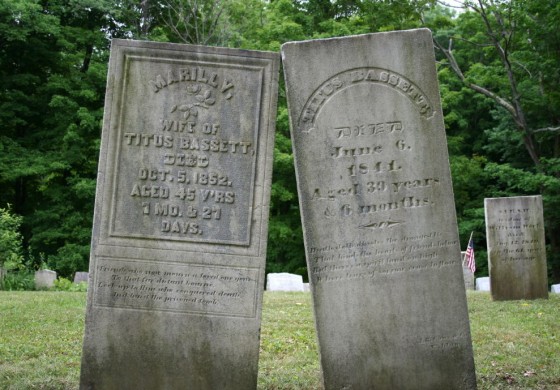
<point>11,257</point>
<point>63,284</point>
<point>18,281</point>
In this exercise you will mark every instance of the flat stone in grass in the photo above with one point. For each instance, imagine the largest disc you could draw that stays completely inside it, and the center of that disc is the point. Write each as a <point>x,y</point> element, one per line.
<point>516,247</point>
<point>483,284</point>
<point>378,213</point>
<point>181,218</point>
<point>284,281</point>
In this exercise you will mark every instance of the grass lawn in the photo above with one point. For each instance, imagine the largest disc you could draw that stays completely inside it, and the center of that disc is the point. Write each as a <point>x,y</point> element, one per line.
<point>516,343</point>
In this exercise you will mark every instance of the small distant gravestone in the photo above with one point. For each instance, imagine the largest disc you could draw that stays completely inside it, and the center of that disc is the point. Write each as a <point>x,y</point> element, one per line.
<point>181,218</point>
<point>468,275</point>
<point>44,279</point>
<point>483,284</point>
<point>378,212</point>
<point>284,282</point>
<point>555,288</point>
<point>81,277</point>
<point>516,247</point>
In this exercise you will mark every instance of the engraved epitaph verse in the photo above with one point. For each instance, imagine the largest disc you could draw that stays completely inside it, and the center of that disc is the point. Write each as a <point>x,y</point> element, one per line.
<point>189,153</point>
<point>377,188</point>
<point>228,291</point>
<point>516,247</point>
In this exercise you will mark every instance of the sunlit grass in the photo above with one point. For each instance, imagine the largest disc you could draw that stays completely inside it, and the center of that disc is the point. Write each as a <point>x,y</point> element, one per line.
<point>516,343</point>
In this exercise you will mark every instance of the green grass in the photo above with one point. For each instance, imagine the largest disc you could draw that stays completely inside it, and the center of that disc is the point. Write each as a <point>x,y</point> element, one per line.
<point>516,343</point>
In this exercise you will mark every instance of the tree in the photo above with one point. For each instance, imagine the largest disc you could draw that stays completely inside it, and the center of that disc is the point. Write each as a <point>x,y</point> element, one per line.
<point>497,50</point>
<point>53,64</point>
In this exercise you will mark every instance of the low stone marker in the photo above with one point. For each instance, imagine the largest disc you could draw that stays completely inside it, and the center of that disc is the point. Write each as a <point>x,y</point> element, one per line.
<point>44,279</point>
<point>483,284</point>
<point>81,277</point>
<point>284,282</point>
<point>378,212</point>
<point>181,218</point>
<point>555,288</point>
<point>468,275</point>
<point>516,247</point>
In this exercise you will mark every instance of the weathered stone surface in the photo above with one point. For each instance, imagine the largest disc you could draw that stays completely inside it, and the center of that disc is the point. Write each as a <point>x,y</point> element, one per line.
<point>516,247</point>
<point>81,277</point>
<point>44,279</point>
<point>284,281</point>
<point>378,212</point>
<point>468,276</point>
<point>181,218</point>
<point>483,284</point>
<point>555,288</point>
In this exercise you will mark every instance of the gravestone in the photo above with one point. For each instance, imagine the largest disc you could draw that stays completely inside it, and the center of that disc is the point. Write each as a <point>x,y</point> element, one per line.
<point>284,282</point>
<point>483,284</point>
<point>44,279</point>
<point>555,288</point>
<point>468,275</point>
<point>516,247</point>
<point>378,213</point>
<point>81,277</point>
<point>181,218</point>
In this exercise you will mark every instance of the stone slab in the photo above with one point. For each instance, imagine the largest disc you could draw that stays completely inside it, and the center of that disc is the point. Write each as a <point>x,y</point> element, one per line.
<point>81,277</point>
<point>181,218</point>
<point>378,213</point>
<point>284,281</point>
<point>483,284</point>
<point>555,288</point>
<point>468,276</point>
<point>516,247</point>
<point>44,279</point>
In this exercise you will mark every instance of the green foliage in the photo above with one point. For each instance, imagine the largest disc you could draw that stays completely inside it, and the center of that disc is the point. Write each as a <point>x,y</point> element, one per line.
<point>63,284</point>
<point>11,257</point>
<point>18,281</point>
<point>53,65</point>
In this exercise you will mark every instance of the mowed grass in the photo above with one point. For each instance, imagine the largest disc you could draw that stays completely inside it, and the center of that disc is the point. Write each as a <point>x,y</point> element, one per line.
<point>516,343</point>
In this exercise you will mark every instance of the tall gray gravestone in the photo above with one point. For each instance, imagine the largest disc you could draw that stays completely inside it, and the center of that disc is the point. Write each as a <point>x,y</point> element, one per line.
<point>181,218</point>
<point>378,212</point>
<point>516,247</point>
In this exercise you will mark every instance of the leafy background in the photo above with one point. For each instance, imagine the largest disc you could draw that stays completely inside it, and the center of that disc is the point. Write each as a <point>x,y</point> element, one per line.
<point>498,64</point>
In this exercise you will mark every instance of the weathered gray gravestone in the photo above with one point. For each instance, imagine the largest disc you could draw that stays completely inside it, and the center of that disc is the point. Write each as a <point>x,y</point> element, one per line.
<point>516,247</point>
<point>81,277</point>
<point>180,228</point>
<point>468,275</point>
<point>44,279</point>
<point>378,212</point>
